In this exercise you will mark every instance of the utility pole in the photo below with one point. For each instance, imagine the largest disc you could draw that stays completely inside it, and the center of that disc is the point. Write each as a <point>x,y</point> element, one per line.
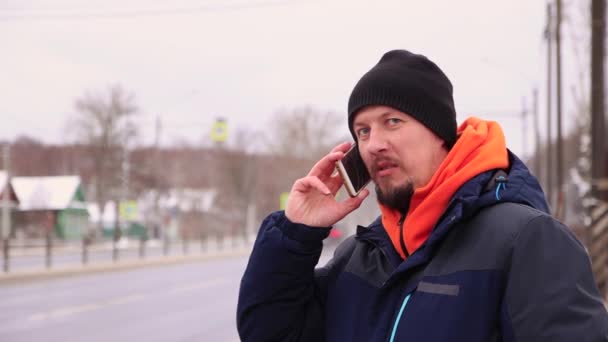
<point>598,116</point>
<point>125,173</point>
<point>159,230</point>
<point>560,151</point>
<point>597,229</point>
<point>6,214</point>
<point>536,132</point>
<point>219,135</point>
<point>549,166</point>
<point>524,124</point>
<point>122,197</point>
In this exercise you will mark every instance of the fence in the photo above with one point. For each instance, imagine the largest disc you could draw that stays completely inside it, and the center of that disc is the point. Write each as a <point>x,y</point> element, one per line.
<point>51,253</point>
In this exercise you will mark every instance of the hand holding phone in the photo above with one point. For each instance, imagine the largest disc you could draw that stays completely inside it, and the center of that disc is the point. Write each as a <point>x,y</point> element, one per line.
<point>353,171</point>
<point>312,200</point>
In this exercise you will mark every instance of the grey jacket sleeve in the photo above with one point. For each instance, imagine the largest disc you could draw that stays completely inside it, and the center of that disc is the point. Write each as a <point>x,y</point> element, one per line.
<point>550,293</point>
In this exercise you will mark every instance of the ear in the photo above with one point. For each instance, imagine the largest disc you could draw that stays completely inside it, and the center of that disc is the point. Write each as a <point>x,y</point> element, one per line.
<point>447,146</point>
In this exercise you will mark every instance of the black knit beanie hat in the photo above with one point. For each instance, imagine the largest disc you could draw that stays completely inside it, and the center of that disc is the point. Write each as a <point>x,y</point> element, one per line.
<point>412,84</point>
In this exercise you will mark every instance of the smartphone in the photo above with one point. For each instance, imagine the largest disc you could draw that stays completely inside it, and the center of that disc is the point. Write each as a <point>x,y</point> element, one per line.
<point>353,171</point>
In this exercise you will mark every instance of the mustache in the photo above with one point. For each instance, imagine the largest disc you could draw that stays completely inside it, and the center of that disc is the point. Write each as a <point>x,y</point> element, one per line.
<point>380,163</point>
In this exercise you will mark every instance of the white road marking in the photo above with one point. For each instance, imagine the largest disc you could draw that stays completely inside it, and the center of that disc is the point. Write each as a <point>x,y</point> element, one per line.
<point>79,309</point>
<point>197,286</point>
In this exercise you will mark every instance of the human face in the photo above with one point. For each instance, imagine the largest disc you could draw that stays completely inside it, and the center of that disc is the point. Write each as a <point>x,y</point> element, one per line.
<point>399,151</point>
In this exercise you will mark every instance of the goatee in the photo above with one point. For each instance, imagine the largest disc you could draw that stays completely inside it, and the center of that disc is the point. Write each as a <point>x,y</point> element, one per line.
<point>397,198</point>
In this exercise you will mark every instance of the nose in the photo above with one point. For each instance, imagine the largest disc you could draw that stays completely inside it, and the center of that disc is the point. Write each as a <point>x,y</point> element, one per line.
<point>376,143</point>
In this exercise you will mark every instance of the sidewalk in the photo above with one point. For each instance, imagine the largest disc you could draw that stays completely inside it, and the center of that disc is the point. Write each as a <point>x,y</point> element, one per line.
<point>110,266</point>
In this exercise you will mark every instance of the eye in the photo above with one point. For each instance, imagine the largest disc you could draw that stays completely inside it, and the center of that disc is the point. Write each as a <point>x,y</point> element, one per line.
<point>362,132</point>
<point>393,121</point>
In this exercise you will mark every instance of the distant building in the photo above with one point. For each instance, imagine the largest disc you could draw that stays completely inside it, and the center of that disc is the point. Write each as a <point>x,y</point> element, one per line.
<point>130,220</point>
<point>53,205</point>
<point>178,212</point>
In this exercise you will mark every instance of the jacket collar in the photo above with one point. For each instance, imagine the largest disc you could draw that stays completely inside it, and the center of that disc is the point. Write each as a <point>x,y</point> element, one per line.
<point>478,193</point>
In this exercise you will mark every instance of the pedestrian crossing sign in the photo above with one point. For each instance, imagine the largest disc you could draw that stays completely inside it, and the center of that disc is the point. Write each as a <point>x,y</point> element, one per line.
<point>283,200</point>
<point>128,210</point>
<point>219,131</point>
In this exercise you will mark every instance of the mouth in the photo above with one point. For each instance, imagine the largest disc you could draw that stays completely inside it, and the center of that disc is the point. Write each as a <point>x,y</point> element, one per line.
<point>384,168</point>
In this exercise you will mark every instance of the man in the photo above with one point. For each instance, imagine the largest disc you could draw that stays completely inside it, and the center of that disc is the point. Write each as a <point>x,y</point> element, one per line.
<point>464,250</point>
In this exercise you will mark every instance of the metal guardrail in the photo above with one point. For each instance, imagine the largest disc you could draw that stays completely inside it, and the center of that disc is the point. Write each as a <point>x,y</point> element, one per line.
<point>49,253</point>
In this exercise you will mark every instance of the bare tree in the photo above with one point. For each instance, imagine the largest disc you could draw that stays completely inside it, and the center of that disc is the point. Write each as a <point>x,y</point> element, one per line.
<point>580,169</point>
<point>29,157</point>
<point>236,176</point>
<point>305,132</point>
<point>300,137</point>
<point>105,124</point>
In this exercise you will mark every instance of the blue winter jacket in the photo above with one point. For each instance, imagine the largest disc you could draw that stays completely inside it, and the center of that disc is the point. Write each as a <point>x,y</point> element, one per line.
<point>496,267</point>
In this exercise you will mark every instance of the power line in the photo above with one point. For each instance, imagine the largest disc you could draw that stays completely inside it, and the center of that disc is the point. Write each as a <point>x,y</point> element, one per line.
<point>59,6</point>
<point>80,14</point>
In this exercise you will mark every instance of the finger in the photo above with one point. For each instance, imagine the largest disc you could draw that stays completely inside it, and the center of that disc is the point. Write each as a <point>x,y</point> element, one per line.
<point>334,183</point>
<point>349,205</point>
<point>355,202</point>
<point>335,172</point>
<point>345,146</point>
<point>307,183</point>
<point>326,165</point>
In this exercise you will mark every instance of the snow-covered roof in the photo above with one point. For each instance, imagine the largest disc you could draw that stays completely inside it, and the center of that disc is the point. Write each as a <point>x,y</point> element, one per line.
<point>47,193</point>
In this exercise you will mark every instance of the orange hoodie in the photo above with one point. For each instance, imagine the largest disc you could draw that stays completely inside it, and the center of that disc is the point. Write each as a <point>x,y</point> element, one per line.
<point>480,147</point>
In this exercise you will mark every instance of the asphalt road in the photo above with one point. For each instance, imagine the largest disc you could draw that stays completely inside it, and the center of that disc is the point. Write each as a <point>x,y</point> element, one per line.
<point>186,302</point>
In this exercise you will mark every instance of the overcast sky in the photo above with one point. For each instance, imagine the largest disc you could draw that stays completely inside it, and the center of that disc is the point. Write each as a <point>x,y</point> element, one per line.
<point>190,61</point>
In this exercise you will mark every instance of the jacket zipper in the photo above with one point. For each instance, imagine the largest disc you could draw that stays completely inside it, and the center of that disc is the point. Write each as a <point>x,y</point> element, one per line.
<point>402,237</point>
<point>394,331</point>
<point>407,297</point>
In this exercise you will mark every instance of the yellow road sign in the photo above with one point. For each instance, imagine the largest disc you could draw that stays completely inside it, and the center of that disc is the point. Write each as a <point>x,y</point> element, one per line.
<point>219,131</point>
<point>127,210</point>
<point>283,200</point>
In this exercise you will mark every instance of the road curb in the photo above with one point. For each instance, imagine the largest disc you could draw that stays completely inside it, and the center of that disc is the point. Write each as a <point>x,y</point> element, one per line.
<point>70,271</point>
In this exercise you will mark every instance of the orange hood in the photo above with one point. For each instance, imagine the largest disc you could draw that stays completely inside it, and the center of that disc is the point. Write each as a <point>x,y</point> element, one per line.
<point>480,147</point>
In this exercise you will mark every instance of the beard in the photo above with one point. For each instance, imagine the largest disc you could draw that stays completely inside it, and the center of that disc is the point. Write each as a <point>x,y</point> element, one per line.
<point>397,198</point>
